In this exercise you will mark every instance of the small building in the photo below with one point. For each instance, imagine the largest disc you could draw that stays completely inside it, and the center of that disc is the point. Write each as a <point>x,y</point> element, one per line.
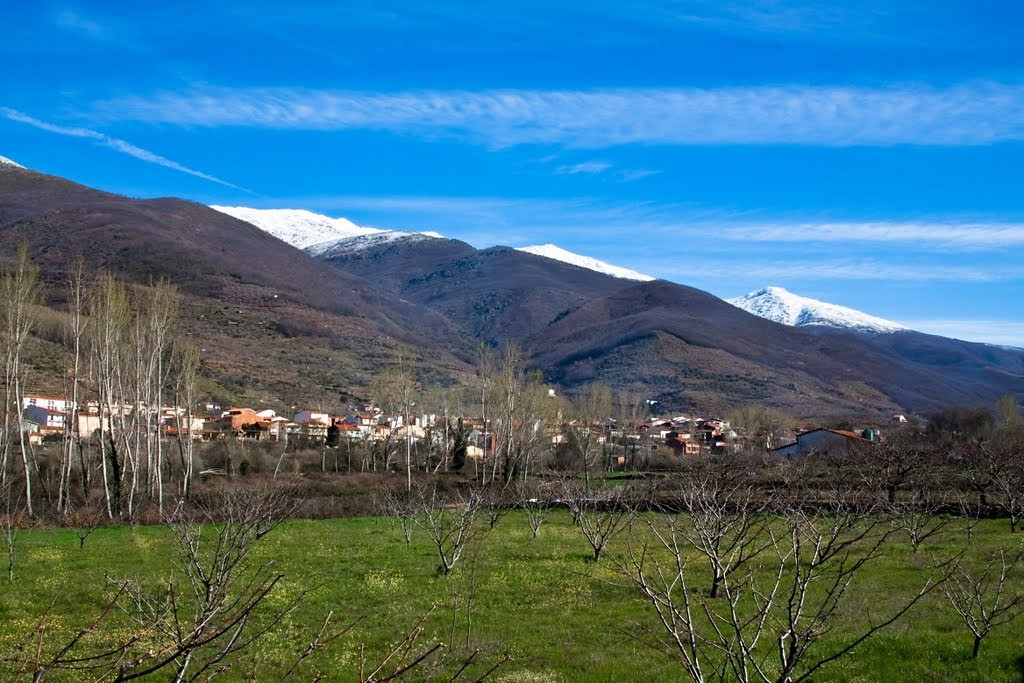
<point>47,419</point>
<point>58,403</point>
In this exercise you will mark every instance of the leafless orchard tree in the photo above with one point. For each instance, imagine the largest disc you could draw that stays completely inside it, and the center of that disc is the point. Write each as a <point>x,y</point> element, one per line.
<point>770,621</point>
<point>534,501</point>
<point>919,520</point>
<point>495,503</point>
<point>407,658</point>
<point>980,596</point>
<point>202,625</point>
<point>14,524</point>
<point>399,507</point>
<point>464,588</point>
<point>600,515</point>
<point>193,628</point>
<point>905,462</point>
<point>727,524</point>
<point>84,519</point>
<point>1008,479</point>
<point>452,522</point>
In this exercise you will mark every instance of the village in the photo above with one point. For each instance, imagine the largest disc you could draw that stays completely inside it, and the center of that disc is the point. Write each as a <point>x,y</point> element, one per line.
<point>625,443</point>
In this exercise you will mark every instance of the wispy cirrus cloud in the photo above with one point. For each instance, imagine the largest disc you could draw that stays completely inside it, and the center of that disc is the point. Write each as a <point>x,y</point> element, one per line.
<point>843,269</point>
<point>117,144</point>
<point>587,167</point>
<point>966,114</point>
<point>764,247</point>
<point>1004,332</point>
<point>964,235</point>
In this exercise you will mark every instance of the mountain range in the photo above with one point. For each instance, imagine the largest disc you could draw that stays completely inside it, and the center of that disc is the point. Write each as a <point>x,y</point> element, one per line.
<point>305,309</point>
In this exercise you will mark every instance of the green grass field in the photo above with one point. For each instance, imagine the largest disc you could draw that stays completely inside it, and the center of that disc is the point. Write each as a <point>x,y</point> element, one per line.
<point>543,602</point>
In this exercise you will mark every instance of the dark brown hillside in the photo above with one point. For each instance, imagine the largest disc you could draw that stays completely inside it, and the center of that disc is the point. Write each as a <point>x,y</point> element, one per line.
<point>695,350</point>
<point>497,294</point>
<point>228,268</point>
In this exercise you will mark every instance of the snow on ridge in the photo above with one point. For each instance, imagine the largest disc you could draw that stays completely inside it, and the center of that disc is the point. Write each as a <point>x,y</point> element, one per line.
<point>348,245</point>
<point>782,306</point>
<point>558,254</point>
<point>315,233</point>
<point>297,227</point>
<point>4,161</point>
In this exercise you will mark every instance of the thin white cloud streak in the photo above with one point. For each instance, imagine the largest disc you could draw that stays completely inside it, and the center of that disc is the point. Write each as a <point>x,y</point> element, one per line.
<point>966,114</point>
<point>587,167</point>
<point>1003,332</point>
<point>655,220</point>
<point>113,143</point>
<point>865,269</point>
<point>992,235</point>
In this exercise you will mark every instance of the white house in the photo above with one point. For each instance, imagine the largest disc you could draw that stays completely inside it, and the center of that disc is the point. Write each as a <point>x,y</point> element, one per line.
<point>61,405</point>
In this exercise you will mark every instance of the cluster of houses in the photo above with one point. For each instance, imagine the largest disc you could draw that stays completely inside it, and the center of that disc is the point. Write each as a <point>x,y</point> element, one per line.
<point>53,417</point>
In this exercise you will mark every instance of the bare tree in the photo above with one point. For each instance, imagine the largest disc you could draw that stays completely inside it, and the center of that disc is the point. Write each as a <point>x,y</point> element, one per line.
<point>919,520</point>
<point>14,523</point>
<point>532,500</point>
<point>110,314</point>
<point>518,425</point>
<point>201,628</point>
<point>495,503</point>
<point>980,596</point>
<point>1008,476</point>
<point>185,369</point>
<point>600,515</point>
<point>450,521</point>
<point>771,621</point>
<point>485,372</point>
<point>586,434</point>
<point>83,520</point>
<point>20,298</point>
<point>727,524</point>
<point>72,444</point>
<point>399,507</point>
<point>395,390</point>
<point>764,425</point>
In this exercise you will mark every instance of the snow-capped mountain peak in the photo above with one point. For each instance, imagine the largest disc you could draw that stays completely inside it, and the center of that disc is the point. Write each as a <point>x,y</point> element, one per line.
<point>316,233</point>
<point>4,161</point>
<point>297,227</point>
<point>558,254</point>
<point>782,306</point>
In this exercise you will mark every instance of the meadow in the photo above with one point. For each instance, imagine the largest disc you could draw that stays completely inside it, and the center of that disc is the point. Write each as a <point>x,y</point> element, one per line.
<point>541,607</point>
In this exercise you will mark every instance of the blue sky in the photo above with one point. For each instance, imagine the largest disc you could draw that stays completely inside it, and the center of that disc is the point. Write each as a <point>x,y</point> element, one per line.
<point>864,153</point>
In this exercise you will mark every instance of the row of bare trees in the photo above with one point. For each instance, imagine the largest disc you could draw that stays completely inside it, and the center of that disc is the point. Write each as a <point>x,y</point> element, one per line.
<point>125,360</point>
<point>742,585</point>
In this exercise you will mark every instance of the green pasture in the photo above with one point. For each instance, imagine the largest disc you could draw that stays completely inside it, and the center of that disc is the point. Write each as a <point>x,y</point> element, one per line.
<point>541,601</point>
